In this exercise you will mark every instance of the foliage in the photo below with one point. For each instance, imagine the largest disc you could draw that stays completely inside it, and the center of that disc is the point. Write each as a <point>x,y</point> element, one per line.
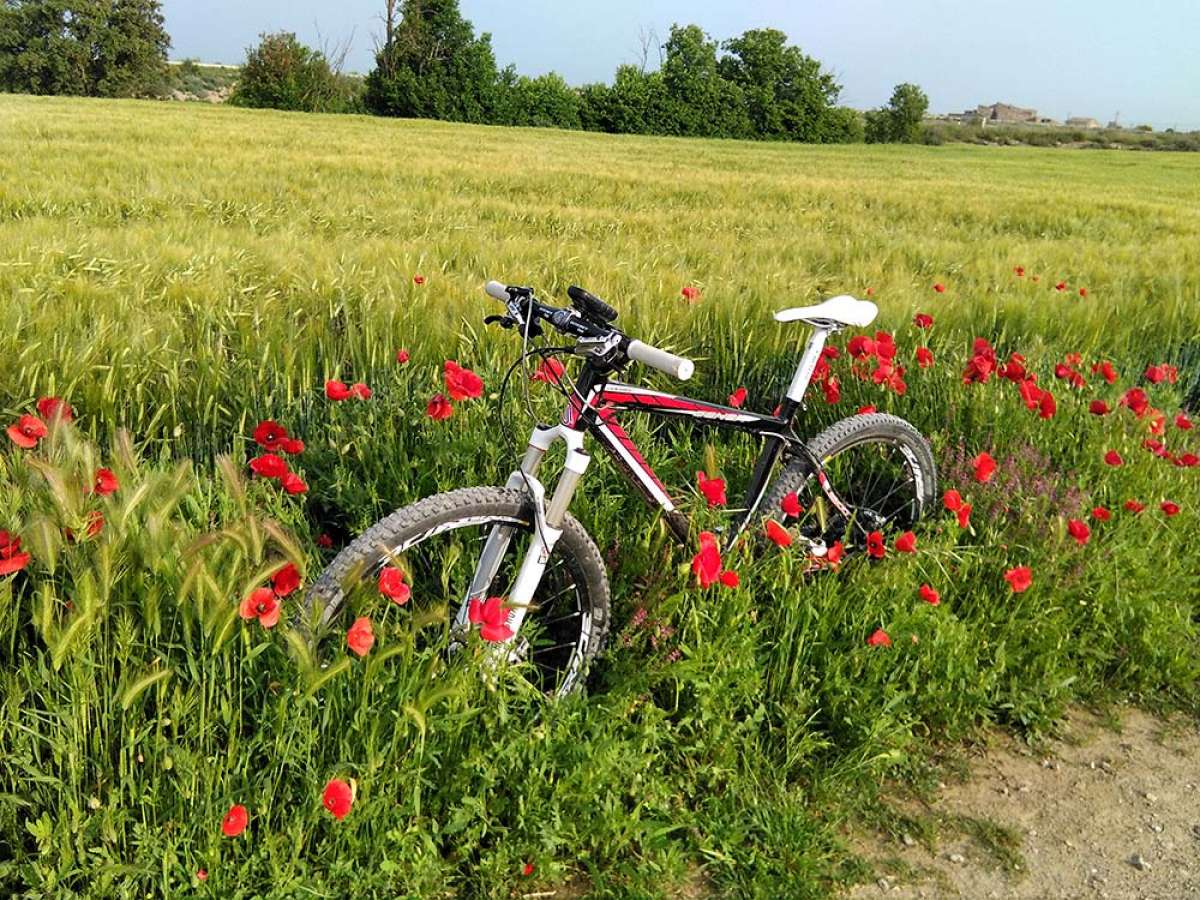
<point>545,102</point>
<point>434,67</point>
<point>900,121</point>
<point>99,48</point>
<point>186,307</point>
<point>282,73</point>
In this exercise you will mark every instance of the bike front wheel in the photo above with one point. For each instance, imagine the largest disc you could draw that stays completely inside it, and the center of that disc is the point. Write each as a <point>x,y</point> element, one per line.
<point>438,542</point>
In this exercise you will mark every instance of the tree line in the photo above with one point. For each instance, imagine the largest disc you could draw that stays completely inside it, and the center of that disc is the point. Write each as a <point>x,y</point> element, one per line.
<point>432,64</point>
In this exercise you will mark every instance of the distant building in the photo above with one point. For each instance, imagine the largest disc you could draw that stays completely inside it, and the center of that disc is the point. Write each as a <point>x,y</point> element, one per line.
<point>1082,122</point>
<point>997,114</point>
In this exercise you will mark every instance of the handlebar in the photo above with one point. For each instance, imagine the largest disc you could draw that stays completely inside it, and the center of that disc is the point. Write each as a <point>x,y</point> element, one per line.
<point>523,308</point>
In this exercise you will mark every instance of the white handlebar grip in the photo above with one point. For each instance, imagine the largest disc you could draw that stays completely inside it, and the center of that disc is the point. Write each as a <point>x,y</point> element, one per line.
<point>662,360</point>
<point>497,290</point>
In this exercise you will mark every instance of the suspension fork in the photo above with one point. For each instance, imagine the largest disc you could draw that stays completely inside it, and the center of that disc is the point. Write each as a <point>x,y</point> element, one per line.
<point>548,519</point>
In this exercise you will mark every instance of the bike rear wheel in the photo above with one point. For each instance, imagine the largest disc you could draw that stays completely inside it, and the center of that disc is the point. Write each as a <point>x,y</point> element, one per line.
<point>878,465</point>
<point>437,543</point>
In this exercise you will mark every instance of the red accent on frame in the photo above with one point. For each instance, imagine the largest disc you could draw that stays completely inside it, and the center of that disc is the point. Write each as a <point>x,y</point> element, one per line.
<point>666,401</point>
<point>606,415</point>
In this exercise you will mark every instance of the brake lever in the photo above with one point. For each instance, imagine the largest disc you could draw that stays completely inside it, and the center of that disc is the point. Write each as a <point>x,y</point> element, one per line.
<point>502,321</point>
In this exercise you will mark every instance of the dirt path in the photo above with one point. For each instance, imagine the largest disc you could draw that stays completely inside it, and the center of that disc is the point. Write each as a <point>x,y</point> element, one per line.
<point>1098,814</point>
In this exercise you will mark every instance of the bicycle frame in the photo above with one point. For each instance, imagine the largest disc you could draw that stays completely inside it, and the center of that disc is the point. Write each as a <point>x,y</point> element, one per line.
<point>591,409</point>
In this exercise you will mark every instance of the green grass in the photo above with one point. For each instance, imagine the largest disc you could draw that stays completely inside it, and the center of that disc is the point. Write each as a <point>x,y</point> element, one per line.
<point>181,272</point>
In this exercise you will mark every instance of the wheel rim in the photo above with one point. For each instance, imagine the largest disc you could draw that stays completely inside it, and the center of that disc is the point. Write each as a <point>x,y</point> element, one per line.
<point>439,565</point>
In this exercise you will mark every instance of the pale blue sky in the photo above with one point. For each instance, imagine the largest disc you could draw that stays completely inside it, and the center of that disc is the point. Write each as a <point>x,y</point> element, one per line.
<point>1063,57</point>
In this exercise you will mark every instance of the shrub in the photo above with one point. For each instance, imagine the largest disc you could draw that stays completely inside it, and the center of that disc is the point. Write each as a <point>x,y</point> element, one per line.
<point>282,73</point>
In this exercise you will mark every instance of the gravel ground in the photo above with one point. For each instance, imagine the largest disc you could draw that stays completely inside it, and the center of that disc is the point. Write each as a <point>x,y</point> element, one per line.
<point>1100,813</point>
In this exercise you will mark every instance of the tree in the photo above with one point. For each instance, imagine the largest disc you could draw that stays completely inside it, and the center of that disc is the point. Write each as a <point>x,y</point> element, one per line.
<point>788,95</point>
<point>699,101</point>
<point>433,66</point>
<point>102,48</point>
<point>545,102</point>
<point>282,73</point>
<point>900,121</point>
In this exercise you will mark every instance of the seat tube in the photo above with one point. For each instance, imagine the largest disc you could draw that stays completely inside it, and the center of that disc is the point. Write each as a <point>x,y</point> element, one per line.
<point>808,365</point>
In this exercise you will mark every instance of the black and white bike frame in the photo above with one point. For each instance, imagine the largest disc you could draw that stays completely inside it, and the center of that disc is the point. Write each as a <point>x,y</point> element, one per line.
<point>592,408</point>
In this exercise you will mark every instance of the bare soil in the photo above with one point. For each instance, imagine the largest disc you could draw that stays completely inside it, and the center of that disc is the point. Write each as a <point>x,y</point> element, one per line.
<point>1110,810</point>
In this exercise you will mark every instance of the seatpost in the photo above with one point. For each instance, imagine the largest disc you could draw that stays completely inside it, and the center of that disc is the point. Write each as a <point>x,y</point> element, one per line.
<point>808,364</point>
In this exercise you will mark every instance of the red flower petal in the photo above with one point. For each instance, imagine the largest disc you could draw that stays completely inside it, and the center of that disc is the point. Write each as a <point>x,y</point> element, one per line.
<point>939,287</point>
<point>1079,530</point>
<point>269,434</point>
<point>235,821</point>
<point>924,357</point>
<point>294,484</point>
<point>876,547</point>
<point>1134,507</point>
<point>1101,514</point>
<point>392,586</point>
<point>906,543</point>
<point>952,500</point>
<point>51,407</point>
<point>923,320</point>
<point>1098,408</point>
<point>105,482</point>
<point>269,466</point>
<point>360,637</point>
<point>1171,509</point>
<point>286,580</point>
<point>706,564</point>
<point>929,595</point>
<point>338,798</point>
<point>461,384</point>
<point>778,534</point>
<point>337,391</point>
<point>790,505</point>
<point>1113,458</point>
<point>402,356</point>
<point>879,638</point>
<point>1019,579</point>
<point>985,467</point>
<point>713,489</point>
<point>439,408</point>
<point>730,579</point>
<point>737,398</point>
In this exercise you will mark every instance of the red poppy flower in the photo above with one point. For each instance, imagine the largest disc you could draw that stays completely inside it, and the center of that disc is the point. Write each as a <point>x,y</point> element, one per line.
<point>906,543</point>
<point>202,875</point>
<point>690,293</point>
<point>939,287</point>
<point>361,391</point>
<point>952,500</point>
<point>790,504</point>
<point>861,347</point>
<point>730,579</point>
<point>964,515</point>
<point>338,797</point>
<point>929,595</point>
<point>11,558</point>
<point>52,408</point>
<point>439,408</point>
<point>834,554</point>
<point>1047,406</point>
<point>1101,514</point>
<point>713,489</point>
<point>360,637</point>
<point>923,320</point>
<point>527,869</point>
<point>1019,579</point>
<point>1106,371</point>
<point>981,364</point>
<point>269,435</point>
<point>1061,286</point>
<point>1079,530</point>
<point>1171,509</point>
<point>1158,422</point>
<point>879,638</point>
<point>235,821</point>
<point>1183,422</point>
<point>1099,408</point>
<point>832,389</point>
<point>1031,394</point>
<point>706,564</point>
<point>924,357</point>
<point>292,446</point>
<point>550,371</point>
<point>337,391</point>
<point>876,547</point>
<point>1136,400</point>
<point>418,280</point>
<point>985,467</point>
<point>27,431</point>
<point>1019,271</point>
<point>1083,292</point>
<point>492,619</point>
<point>1134,507</point>
<point>778,534</point>
<point>1113,458</point>
<point>402,356</point>
<point>263,605</point>
<point>461,384</point>
<point>324,541</point>
<point>737,398</point>
<point>105,482</point>
<point>392,586</point>
<point>1158,448</point>
<point>269,466</point>
<point>1014,369</point>
<point>286,580</point>
<point>866,410</point>
<point>1188,461</point>
<point>294,484</point>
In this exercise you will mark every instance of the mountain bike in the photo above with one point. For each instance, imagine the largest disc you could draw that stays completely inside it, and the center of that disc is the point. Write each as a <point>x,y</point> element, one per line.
<point>870,472</point>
